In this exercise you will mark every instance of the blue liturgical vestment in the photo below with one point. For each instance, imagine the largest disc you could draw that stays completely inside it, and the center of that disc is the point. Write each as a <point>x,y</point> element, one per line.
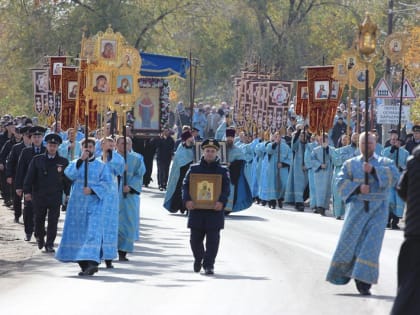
<point>360,242</point>
<point>129,212</point>
<point>339,156</point>
<point>273,184</point>
<point>240,197</point>
<point>298,177</point>
<point>396,204</point>
<point>183,157</point>
<point>83,231</point>
<point>111,208</point>
<point>256,168</point>
<point>322,177</point>
<point>311,179</point>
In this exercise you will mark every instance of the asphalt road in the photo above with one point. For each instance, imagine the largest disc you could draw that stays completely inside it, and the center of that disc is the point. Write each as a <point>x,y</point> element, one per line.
<point>269,262</point>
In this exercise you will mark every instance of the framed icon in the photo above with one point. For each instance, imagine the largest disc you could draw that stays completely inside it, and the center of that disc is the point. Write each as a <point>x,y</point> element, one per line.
<point>205,190</point>
<point>321,90</point>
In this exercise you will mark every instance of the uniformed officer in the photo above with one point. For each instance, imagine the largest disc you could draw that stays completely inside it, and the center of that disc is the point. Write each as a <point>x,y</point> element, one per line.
<point>209,221</point>
<point>11,168</point>
<point>44,185</point>
<point>36,134</point>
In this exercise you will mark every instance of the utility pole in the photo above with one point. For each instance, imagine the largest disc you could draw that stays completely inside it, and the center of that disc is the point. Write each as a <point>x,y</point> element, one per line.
<point>390,20</point>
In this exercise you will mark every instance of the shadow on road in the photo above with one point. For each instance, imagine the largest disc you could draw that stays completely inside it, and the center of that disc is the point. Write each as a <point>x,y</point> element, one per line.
<point>373,296</point>
<point>236,217</point>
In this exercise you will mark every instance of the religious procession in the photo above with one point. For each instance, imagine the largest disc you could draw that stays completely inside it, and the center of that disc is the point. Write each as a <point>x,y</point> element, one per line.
<point>108,131</point>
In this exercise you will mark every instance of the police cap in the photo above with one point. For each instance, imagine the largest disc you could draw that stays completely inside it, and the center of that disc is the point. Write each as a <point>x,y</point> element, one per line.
<point>37,130</point>
<point>53,138</point>
<point>210,143</point>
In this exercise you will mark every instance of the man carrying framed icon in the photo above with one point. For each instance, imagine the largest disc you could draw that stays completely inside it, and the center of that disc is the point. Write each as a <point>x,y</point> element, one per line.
<point>206,210</point>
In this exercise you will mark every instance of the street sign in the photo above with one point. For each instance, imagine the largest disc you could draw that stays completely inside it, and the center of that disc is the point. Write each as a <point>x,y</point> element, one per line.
<point>388,114</point>
<point>383,90</point>
<point>408,91</point>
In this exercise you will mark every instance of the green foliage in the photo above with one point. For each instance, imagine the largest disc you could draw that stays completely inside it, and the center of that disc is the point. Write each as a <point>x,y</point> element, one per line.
<point>222,35</point>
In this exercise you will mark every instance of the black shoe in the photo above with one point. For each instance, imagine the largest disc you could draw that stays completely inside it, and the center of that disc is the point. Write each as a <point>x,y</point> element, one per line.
<point>109,264</point>
<point>197,266</point>
<point>300,206</point>
<point>321,211</point>
<point>338,218</point>
<point>315,210</point>
<point>263,203</point>
<point>28,237</point>
<point>16,220</point>
<point>161,188</point>
<point>363,287</point>
<point>89,271</point>
<point>40,242</point>
<point>227,213</point>
<point>395,227</point>
<point>208,271</point>
<point>49,249</point>
<point>280,202</point>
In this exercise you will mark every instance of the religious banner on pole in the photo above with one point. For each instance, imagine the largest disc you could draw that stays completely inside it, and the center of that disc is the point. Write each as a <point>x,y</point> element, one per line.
<point>320,108</point>
<point>302,96</point>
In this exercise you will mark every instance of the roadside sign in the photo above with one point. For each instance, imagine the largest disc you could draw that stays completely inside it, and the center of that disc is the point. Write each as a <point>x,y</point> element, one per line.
<point>408,91</point>
<point>383,90</point>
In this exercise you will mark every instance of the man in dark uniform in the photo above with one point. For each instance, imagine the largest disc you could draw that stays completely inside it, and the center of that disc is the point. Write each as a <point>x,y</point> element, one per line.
<point>164,152</point>
<point>407,302</point>
<point>410,145</point>
<point>44,185</point>
<point>6,143</point>
<point>147,148</point>
<point>206,222</point>
<point>37,135</point>
<point>11,166</point>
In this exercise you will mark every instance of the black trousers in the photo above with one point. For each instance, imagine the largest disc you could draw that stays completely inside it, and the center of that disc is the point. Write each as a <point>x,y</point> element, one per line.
<point>28,217</point>
<point>41,210</point>
<point>17,203</point>
<point>407,301</point>
<point>148,163</point>
<point>163,173</point>
<point>207,255</point>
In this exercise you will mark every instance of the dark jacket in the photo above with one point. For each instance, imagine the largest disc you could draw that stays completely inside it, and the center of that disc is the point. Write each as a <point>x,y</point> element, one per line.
<point>201,218</point>
<point>408,189</point>
<point>13,158</point>
<point>165,149</point>
<point>45,178</point>
<point>24,159</point>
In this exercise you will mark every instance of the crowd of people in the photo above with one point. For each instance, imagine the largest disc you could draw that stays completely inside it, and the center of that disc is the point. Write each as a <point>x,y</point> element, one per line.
<point>98,180</point>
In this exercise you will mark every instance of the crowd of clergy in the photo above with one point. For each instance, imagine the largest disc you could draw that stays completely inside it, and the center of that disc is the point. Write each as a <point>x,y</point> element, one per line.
<point>97,181</point>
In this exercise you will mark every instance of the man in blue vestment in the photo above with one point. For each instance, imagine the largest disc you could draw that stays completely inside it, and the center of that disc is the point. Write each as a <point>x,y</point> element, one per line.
<point>240,197</point>
<point>115,163</point>
<point>275,168</point>
<point>183,158</point>
<point>308,164</point>
<point>357,252</point>
<point>396,204</point>
<point>339,156</point>
<point>84,224</point>
<point>129,195</point>
<point>323,170</point>
<point>298,175</point>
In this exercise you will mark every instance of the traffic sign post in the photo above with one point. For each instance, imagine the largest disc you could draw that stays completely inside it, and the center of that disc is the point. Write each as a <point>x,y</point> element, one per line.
<point>383,90</point>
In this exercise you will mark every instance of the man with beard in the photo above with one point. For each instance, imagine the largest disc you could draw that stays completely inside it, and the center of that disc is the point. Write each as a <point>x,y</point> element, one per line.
<point>183,158</point>
<point>84,224</point>
<point>360,242</point>
<point>240,197</point>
